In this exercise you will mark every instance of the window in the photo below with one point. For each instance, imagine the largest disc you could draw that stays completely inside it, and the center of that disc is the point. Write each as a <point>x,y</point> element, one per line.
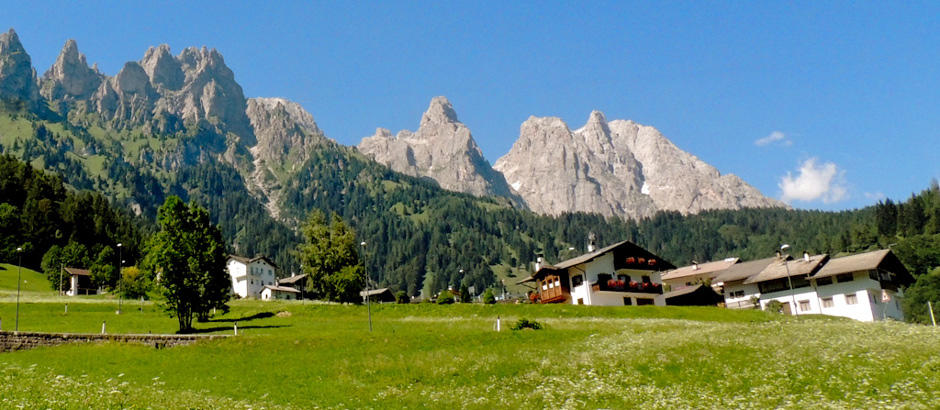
<point>641,301</point>
<point>824,281</point>
<point>844,277</point>
<point>580,301</point>
<point>577,281</point>
<point>827,302</point>
<point>646,279</point>
<point>739,294</point>
<point>627,301</point>
<point>851,299</point>
<point>804,305</point>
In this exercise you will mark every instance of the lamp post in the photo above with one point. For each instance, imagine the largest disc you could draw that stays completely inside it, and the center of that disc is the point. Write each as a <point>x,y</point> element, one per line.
<point>362,246</point>
<point>19,270</point>
<point>789,281</point>
<point>120,277</point>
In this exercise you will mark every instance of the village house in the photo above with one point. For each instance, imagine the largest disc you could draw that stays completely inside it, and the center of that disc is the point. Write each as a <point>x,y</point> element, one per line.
<point>731,283</point>
<point>620,274</point>
<point>80,282</point>
<point>250,275</point>
<point>865,287</point>
<point>383,295</point>
<point>696,273</point>
<point>275,292</point>
<point>787,281</point>
<point>298,282</point>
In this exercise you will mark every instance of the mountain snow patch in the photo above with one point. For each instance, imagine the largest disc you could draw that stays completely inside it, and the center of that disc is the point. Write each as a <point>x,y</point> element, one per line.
<point>645,189</point>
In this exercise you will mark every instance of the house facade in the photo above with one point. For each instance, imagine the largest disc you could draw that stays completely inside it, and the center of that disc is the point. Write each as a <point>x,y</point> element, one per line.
<point>274,292</point>
<point>696,273</point>
<point>864,287</point>
<point>80,282</point>
<point>250,275</point>
<point>620,274</point>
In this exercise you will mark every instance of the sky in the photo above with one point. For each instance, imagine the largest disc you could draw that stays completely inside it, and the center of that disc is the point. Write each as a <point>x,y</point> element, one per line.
<point>825,105</point>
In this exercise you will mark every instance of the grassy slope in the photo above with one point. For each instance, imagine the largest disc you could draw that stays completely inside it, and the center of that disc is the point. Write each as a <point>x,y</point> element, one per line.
<point>449,356</point>
<point>33,282</point>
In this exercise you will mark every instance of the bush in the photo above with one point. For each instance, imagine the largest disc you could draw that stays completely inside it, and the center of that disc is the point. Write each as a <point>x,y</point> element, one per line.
<point>488,297</point>
<point>774,306</point>
<point>402,297</point>
<point>527,324</point>
<point>445,298</point>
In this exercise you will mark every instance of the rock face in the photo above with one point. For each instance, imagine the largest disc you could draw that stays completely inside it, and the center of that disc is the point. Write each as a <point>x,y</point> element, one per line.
<point>70,77</point>
<point>616,168</point>
<point>442,149</point>
<point>17,76</point>
<point>287,136</point>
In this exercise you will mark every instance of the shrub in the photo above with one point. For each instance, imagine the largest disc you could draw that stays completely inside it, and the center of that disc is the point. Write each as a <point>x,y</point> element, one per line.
<point>488,297</point>
<point>774,306</point>
<point>445,298</point>
<point>402,297</point>
<point>527,324</point>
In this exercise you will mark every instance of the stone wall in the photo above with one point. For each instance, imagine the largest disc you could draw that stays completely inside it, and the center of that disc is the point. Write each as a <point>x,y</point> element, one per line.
<point>10,341</point>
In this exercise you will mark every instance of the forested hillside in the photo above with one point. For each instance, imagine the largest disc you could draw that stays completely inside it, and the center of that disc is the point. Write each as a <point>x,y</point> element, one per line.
<point>418,235</point>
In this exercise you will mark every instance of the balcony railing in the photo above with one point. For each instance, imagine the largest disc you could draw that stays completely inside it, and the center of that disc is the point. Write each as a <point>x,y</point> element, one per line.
<point>615,285</point>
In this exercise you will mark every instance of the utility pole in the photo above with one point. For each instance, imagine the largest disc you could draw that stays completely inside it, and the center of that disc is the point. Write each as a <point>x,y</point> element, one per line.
<point>789,282</point>
<point>120,278</point>
<point>19,270</point>
<point>362,246</point>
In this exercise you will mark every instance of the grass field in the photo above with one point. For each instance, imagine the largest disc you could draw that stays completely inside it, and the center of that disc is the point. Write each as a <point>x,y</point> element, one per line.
<point>315,355</point>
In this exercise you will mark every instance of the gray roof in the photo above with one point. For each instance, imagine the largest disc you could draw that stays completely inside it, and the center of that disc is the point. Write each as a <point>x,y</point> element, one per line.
<point>291,279</point>
<point>374,292</point>
<point>282,289</point>
<point>782,268</point>
<point>743,270</point>
<point>700,269</point>
<point>247,260</point>
<point>78,272</point>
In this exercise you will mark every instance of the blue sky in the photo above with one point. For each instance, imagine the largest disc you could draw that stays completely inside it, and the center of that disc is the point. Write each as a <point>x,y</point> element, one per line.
<point>827,105</point>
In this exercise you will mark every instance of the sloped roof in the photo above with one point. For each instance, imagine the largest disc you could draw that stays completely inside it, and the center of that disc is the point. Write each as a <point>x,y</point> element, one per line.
<point>796,267</point>
<point>587,257</point>
<point>78,272</point>
<point>291,279</point>
<point>883,258</point>
<point>374,292</point>
<point>743,270</point>
<point>700,269</point>
<point>282,288</point>
<point>247,260</point>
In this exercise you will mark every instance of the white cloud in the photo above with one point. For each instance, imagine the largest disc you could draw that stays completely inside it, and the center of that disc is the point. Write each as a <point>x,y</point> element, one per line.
<point>824,182</point>
<point>776,136</point>
<point>875,195</point>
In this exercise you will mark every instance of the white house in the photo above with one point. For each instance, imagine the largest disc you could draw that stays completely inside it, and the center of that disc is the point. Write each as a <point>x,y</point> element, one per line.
<point>863,287</point>
<point>696,273</point>
<point>250,275</point>
<point>80,282</point>
<point>731,282</point>
<point>271,292</point>
<point>620,274</point>
<point>786,280</point>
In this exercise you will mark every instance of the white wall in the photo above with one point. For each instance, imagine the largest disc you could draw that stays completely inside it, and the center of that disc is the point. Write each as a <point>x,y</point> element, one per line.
<point>605,265</point>
<point>867,294</point>
<point>238,274</point>
<point>750,290</point>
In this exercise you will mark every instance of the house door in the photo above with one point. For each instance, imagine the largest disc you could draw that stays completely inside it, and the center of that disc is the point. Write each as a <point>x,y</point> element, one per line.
<point>786,309</point>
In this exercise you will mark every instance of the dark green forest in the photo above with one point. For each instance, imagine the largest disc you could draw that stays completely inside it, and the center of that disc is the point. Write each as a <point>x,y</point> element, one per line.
<point>419,236</point>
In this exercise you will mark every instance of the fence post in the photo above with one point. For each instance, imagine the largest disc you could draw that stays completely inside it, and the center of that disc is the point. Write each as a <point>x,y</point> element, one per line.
<point>236,328</point>
<point>497,323</point>
<point>103,325</point>
<point>932,319</point>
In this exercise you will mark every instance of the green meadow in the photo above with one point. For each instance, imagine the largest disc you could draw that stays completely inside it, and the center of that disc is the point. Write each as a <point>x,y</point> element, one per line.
<point>294,355</point>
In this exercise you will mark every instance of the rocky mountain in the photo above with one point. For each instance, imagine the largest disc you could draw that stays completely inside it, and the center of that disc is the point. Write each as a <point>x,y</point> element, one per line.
<point>287,135</point>
<point>442,149</point>
<point>616,168</point>
<point>17,77</point>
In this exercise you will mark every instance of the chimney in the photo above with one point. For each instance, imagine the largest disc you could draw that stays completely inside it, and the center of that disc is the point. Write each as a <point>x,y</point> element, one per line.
<point>592,245</point>
<point>805,256</point>
<point>779,255</point>
<point>694,265</point>
<point>538,262</point>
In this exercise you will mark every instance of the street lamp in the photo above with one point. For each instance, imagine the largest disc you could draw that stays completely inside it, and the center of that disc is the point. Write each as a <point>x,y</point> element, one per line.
<point>789,281</point>
<point>19,270</point>
<point>362,246</point>
<point>120,277</point>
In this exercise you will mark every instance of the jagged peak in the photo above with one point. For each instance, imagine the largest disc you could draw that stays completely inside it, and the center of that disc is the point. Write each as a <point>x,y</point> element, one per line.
<point>132,78</point>
<point>10,42</point>
<point>293,110</point>
<point>440,110</point>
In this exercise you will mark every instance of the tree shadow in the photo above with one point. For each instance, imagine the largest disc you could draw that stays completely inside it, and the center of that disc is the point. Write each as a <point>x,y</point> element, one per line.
<point>226,328</point>
<point>262,315</point>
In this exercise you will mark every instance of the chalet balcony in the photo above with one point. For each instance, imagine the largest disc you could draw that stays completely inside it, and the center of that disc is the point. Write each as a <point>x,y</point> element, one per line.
<point>616,285</point>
